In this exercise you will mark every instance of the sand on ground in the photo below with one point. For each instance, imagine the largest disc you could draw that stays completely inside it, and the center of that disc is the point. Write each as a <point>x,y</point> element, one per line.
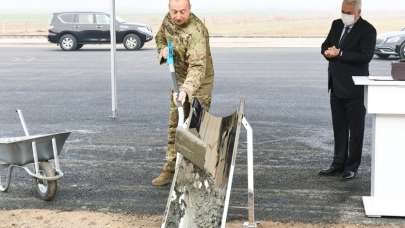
<point>33,218</point>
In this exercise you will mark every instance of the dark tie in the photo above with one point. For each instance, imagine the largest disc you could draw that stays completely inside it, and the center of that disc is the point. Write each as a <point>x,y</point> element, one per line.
<point>346,32</point>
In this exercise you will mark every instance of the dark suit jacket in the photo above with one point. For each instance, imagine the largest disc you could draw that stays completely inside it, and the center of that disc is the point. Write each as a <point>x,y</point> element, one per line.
<point>357,51</point>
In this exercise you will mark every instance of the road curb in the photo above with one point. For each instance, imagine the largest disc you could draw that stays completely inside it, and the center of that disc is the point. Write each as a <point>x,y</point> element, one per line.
<point>215,41</point>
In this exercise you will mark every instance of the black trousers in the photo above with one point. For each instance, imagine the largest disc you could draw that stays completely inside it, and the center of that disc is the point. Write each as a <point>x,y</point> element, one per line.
<point>348,117</point>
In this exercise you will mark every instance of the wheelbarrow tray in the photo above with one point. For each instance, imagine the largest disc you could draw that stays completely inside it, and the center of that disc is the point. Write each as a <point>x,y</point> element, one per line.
<point>18,150</point>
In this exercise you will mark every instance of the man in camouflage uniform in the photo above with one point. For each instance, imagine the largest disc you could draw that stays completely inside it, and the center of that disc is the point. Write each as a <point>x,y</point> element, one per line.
<point>194,70</point>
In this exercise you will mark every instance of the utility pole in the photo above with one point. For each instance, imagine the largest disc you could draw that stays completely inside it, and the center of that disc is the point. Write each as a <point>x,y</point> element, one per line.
<point>113,62</point>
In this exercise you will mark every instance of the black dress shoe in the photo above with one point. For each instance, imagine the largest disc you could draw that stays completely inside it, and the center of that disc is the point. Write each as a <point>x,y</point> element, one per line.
<point>349,175</point>
<point>331,171</point>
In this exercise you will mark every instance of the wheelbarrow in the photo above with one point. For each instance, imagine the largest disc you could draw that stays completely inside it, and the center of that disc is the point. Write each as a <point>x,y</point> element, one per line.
<point>36,150</point>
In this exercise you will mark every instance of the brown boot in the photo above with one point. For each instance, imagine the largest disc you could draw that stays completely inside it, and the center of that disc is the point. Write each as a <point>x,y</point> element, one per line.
<point>163,179</point>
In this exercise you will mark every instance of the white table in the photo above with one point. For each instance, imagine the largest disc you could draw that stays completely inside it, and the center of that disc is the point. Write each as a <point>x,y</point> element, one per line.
<point>385,101</point>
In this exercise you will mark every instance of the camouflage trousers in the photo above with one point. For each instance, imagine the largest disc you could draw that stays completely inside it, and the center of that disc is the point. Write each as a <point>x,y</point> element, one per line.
<point>173,120</point>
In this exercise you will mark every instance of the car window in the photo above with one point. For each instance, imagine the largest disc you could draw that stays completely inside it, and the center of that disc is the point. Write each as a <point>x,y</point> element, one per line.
<point>102,19</point>
<point>67,17</point>
<point>85,19</point>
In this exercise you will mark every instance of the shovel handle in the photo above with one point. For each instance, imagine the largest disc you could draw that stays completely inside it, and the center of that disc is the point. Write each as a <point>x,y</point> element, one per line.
<point>170,61</point>
<point>170,57</point>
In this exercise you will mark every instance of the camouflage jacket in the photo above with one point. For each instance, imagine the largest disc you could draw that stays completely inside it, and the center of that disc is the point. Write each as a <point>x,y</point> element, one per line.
<point>192,55</point>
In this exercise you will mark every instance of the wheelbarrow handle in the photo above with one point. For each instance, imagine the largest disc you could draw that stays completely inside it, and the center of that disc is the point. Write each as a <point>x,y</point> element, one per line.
<point>21,116</point>
<point>34,143</point>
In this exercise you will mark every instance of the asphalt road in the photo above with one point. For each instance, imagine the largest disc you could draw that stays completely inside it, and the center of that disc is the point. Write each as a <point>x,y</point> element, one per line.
<point>109,164</point>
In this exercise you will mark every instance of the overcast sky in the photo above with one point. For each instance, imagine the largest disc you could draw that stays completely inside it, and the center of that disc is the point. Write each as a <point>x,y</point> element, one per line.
<point>206,6</point>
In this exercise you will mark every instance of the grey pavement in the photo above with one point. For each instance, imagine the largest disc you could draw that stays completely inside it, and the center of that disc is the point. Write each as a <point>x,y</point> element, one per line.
<point>109,164</point>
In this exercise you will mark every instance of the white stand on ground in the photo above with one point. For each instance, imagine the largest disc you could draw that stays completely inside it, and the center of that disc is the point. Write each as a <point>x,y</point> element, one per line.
<point>251,196</point>
<point>384,100</point>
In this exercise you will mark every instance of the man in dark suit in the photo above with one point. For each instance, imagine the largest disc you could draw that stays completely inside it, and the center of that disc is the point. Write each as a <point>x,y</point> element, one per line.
<point>349,48</point>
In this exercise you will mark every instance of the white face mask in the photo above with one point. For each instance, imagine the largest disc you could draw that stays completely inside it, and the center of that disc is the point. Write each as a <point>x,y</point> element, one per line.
<point>348,19</point>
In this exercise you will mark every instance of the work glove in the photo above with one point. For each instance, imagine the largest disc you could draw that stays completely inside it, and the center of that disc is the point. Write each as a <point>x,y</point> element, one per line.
<point>181,97</point>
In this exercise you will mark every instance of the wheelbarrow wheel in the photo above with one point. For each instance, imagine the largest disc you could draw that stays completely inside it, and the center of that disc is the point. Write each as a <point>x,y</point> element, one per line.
<point>5,179</point>
<point>46,189</point>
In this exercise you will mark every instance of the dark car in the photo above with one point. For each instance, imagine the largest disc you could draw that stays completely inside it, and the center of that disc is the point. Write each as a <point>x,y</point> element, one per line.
<point>71,30</point>
<point>390,44</point>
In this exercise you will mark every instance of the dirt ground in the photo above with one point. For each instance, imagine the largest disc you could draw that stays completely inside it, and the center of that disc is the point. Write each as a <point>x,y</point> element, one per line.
<point>301,24</point>
<point>67,219</point>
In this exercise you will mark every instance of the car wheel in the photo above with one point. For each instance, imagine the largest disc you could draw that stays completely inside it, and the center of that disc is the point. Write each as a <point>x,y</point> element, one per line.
<point>382,56</point>
<point>79,46</point>
<point>132,42</point>
<point>402,51</point>
<point>68,42</point>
